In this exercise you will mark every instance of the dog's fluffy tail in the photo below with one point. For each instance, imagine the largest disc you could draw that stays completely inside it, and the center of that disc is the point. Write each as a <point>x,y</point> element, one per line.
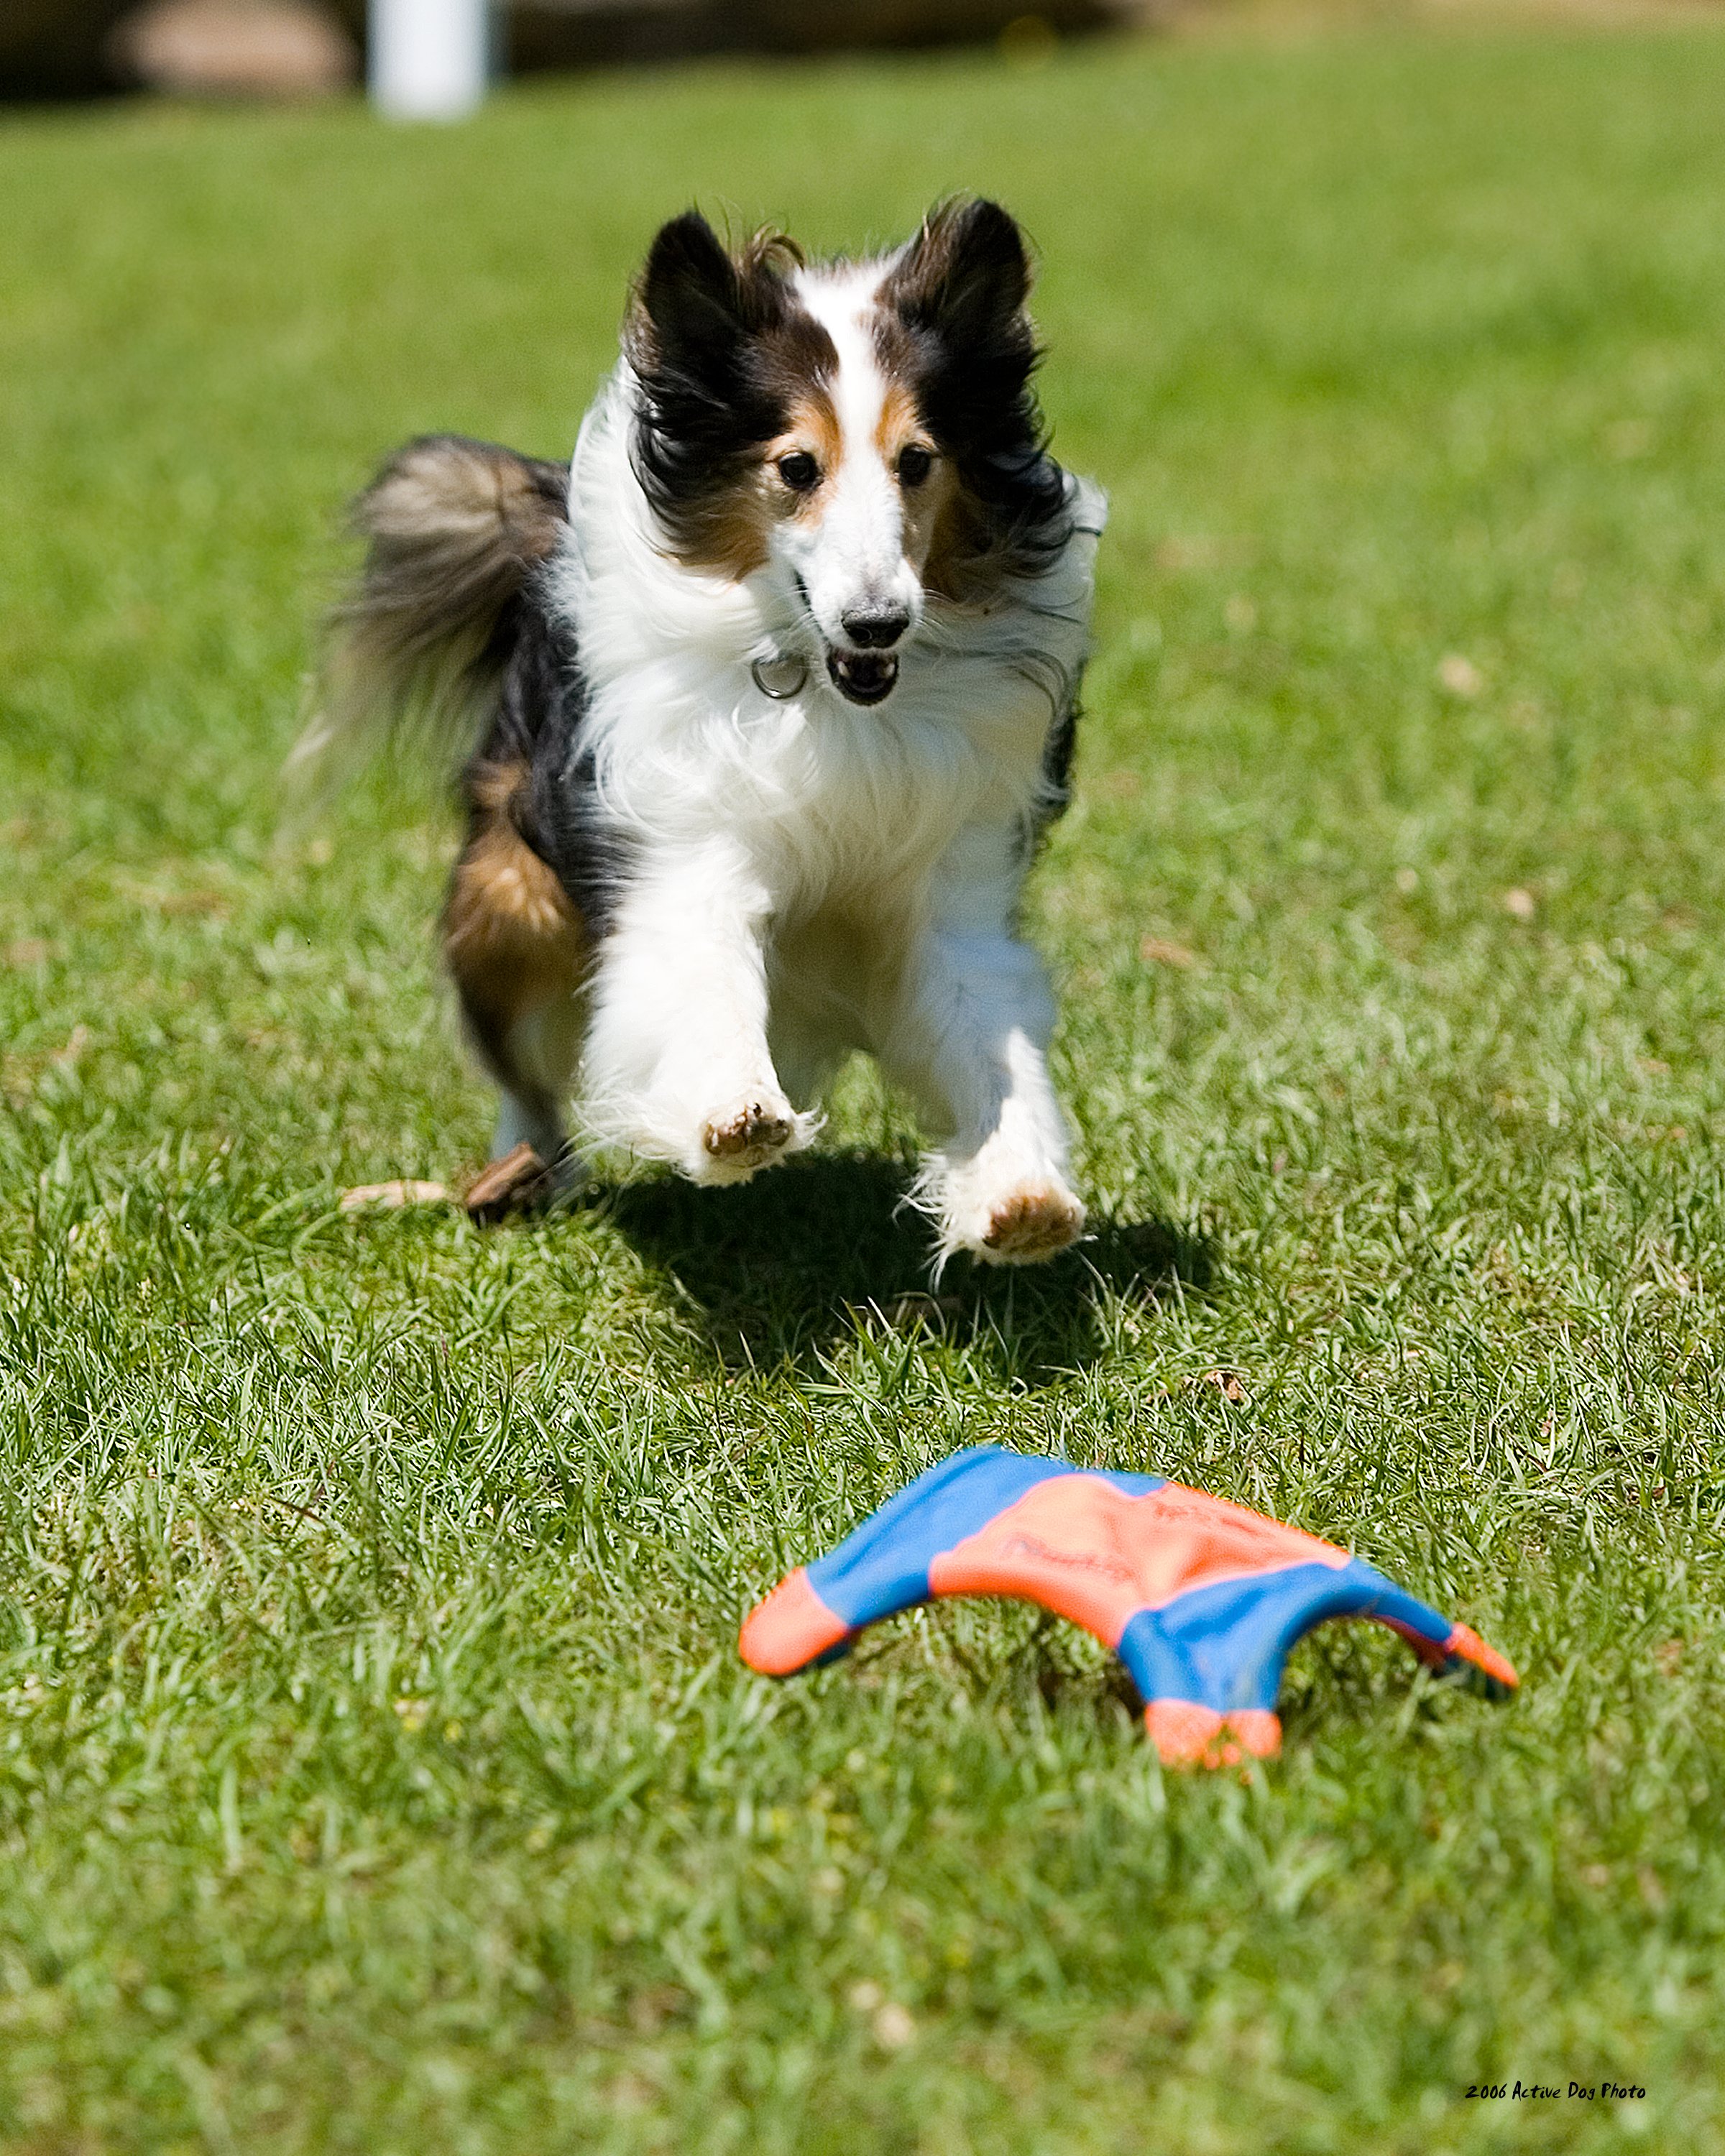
<point>454,529</point>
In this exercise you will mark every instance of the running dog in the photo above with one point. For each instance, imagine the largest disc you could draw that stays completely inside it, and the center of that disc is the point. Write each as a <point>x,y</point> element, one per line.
<point>768,697</point>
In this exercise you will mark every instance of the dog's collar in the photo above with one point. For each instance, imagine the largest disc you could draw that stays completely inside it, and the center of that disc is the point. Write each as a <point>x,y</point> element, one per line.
<point>780,676</point>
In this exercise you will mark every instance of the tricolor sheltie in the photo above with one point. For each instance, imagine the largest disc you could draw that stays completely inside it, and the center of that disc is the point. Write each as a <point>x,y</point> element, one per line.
<point>774,688</point>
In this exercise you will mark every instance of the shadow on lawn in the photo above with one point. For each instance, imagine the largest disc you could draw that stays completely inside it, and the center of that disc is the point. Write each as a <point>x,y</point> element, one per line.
<point>785,1266</point>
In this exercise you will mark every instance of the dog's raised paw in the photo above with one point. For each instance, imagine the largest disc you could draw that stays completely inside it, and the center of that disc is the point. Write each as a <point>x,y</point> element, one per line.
<point>739,1140</point>
<point>1028,1225</point>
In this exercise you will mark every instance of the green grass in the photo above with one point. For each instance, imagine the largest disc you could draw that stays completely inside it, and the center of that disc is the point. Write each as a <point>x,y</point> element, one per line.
<point>376,1773</point>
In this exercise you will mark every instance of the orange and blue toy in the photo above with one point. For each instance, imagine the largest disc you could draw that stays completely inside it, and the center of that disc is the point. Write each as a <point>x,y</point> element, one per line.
<point>1201,1599</point>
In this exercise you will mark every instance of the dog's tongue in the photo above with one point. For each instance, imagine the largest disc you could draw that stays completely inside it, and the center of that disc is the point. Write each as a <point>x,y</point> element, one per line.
<point>865,677</point>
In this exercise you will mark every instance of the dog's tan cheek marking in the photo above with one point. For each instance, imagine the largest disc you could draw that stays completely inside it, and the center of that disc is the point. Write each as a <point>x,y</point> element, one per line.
<point>924,510</point>
<point>730,536</point>
<point>814,428</point>
<point>956,567</point>
<point>935,523</point>
<point>780,501</point>
<point>815,415</point>
<point>899,424</point>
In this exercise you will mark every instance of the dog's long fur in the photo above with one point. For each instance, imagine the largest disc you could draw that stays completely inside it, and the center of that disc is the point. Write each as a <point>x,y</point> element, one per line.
<point>773,690</point>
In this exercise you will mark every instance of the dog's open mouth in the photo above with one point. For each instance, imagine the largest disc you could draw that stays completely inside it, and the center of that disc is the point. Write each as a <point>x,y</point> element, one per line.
<point>863,677</point>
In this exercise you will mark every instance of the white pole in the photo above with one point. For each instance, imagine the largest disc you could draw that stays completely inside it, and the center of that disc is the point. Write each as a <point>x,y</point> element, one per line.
<point>429,59</point>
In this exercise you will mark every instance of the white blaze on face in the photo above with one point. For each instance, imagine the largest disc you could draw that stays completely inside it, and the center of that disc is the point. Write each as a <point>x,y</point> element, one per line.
<point>850,549</point>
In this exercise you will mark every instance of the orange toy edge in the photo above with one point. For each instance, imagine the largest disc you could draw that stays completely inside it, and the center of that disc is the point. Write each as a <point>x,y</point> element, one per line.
<point>1466,1645</point>
<point>1187,1735</point>
<point>1463,1645</point>
<point>790,1629</point>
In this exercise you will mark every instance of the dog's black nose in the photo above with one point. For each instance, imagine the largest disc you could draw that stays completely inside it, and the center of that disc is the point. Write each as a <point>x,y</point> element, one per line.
<point>875,628</point>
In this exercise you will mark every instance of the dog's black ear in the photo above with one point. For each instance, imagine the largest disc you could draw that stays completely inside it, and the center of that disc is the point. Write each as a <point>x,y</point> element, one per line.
<point>694,305</point>
<point>697,335</point>
<point>965,276</point>
<point>967,346</point>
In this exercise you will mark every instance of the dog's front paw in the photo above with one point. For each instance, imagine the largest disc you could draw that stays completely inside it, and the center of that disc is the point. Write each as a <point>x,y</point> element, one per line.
<point>1028,1225</point>
<point>748,1134</point>
<point>1019,1222</point>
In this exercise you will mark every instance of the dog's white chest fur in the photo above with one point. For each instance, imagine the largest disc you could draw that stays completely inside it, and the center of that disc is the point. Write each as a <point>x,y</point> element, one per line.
<point>831,801</point>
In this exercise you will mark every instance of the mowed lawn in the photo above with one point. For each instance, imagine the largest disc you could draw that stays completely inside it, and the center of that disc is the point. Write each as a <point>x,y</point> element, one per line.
<point>376,1772</point>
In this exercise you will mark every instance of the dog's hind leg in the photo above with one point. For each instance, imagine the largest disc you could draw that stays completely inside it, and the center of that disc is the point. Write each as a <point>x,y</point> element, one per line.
<point>539,1051</point>
<point>516,947</point>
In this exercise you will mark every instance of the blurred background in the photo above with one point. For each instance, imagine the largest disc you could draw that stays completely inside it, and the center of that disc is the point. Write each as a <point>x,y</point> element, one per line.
<point>63,49</point>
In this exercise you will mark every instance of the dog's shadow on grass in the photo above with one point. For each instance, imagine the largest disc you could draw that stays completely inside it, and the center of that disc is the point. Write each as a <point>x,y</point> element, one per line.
<point>783,1267</point>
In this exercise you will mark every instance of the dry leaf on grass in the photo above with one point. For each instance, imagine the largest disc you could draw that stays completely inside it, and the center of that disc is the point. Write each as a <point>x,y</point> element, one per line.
<point>393,1195</point>
<point>893,2027</point>
<point>1460,675</point>
<point>1158,951</point>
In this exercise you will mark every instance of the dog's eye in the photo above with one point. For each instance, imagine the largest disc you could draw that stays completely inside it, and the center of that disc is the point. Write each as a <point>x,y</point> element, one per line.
<point>798,470</point>
<point>914,465</point>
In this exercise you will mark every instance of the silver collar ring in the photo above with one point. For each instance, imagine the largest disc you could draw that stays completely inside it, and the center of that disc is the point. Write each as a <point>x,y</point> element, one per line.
<point>780,676</point>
